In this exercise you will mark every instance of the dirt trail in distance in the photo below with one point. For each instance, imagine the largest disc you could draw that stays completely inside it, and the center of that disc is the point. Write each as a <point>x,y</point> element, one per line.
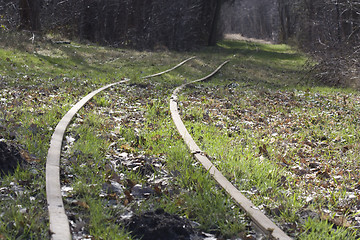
<point>239,37</point>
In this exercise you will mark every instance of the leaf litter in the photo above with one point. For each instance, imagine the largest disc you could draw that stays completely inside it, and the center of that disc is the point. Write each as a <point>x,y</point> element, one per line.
<point>28,115</point>
<point>313,137</point>
<point>132,175</point>
<point>309,162</point>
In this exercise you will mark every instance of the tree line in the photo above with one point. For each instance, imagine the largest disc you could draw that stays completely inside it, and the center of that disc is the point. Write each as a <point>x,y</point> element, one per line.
<point>142,24</point>
<point>146,23</point>
<point>252,18</point>
<point>328,29</point>
<point>331,30</point>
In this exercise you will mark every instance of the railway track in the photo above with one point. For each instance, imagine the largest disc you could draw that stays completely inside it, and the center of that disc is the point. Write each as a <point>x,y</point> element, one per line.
<point>261,221</point>
<point>59,223</point>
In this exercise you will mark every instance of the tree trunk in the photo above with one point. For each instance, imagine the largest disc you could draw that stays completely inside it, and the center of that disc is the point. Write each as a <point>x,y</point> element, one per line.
<point>284,14</point>
<point>29,11</point>
<point>214,32</point>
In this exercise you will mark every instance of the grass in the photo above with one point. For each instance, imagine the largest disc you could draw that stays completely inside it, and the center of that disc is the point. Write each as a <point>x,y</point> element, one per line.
<point>289,145</point>
<point>271,129</point>
<point>320,230</point>
<point>25,205</point>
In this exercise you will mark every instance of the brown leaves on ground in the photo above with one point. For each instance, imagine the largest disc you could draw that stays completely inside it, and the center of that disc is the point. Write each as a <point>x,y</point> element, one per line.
<point>28,157</point>
<point>313,136</point>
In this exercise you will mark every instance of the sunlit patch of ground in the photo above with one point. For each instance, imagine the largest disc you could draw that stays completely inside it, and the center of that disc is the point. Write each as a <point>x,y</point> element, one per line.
<point>239,37</point>
<point>287,133</point>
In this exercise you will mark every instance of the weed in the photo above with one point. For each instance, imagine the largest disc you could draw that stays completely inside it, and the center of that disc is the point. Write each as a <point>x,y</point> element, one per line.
<point>281,139</point>
<point>324,230</point>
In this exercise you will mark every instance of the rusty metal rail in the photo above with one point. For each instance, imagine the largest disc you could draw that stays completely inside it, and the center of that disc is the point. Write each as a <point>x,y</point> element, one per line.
<point>59,223</point>
<point>169,70</point>
<point>260,220</point>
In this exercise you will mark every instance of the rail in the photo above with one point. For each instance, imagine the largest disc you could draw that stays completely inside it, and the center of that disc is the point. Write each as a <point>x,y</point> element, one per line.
<point>59,223</point>
<point>263,223</point>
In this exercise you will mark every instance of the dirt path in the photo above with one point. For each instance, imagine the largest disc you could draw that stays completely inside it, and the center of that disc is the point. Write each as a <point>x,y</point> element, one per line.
<point>239,37</point>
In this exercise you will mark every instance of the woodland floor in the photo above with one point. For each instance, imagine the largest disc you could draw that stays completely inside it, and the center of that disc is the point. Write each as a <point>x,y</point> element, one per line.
<point>289,144</point>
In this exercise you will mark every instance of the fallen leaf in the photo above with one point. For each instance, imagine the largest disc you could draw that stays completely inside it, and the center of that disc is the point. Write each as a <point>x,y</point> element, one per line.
<point>341,221</point>
<point>284,161</point>
<point>157,189</point>
<point>128,197</point>
<point>346,148</point>
<point>130,183</point>
<point>156,138</point>
<point>263,150</point>
<point>127,148</point>
<point>27,157</point>
<point>81,204</point>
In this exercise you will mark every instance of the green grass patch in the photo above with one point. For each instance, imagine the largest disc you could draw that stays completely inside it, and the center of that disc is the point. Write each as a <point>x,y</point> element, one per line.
<point>288,144</point>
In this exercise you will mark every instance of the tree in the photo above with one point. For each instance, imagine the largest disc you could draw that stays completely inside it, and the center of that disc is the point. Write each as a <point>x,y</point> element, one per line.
<point>29,11</point>
<point>149,24</point>
<point>251,18</point>
<point>330,30</point>
<point>214,31</point>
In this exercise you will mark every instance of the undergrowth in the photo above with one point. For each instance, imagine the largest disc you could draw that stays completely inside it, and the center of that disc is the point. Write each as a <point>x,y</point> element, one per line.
<point>288,145</point>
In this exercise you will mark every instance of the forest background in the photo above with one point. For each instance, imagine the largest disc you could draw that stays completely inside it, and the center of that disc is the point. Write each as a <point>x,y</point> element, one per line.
<point>328,29</point>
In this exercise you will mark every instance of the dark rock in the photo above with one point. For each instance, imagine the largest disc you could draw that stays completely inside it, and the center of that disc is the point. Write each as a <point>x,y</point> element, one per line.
<point>159,225</point>
<point>314,165</point>
<point>10,158</point>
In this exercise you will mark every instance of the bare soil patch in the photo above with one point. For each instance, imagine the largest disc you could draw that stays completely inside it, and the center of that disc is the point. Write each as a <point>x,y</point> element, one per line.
<point>10,158</point>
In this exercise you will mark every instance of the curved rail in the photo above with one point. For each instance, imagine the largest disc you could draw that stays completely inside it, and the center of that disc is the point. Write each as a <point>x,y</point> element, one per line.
<point>260,220</point>
<point>59,223</point>
<point>166,71</point>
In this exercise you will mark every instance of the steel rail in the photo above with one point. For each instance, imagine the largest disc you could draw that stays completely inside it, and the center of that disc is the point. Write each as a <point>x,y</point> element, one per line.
<point>59,223</point>
<point>169,70</point>
<point>260,220</point>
